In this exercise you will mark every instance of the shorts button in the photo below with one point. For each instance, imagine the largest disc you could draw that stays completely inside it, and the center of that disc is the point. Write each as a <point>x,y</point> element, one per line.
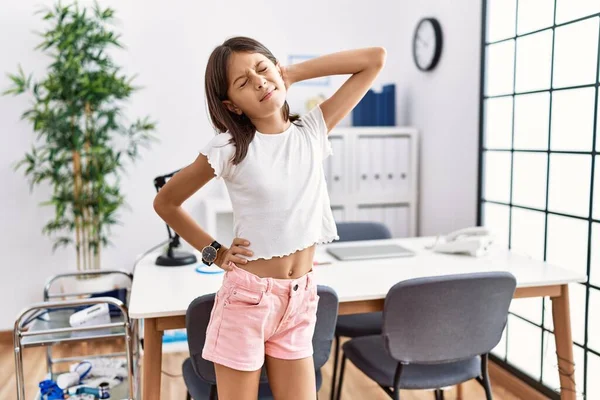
<point>296,287</point>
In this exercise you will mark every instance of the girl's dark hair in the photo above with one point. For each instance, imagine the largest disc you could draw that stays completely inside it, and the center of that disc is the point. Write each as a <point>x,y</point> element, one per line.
<point>215,84</point>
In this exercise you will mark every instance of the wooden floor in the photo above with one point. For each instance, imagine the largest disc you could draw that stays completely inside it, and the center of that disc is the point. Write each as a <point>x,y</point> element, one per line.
<point>356,385</point>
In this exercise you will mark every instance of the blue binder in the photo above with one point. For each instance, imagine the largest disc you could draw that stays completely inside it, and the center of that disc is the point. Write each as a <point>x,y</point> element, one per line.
<point>376,109</point>
<point>389,93</point>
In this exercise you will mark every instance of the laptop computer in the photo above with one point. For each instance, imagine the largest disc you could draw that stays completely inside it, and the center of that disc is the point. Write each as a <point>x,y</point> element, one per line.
<point>349,253</point>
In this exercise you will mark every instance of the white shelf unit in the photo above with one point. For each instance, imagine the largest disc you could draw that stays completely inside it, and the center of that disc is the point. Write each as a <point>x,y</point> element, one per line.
<point>372,176</point>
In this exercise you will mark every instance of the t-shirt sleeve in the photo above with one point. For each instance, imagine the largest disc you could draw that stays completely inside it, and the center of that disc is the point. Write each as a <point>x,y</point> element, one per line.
<point>317,129</point>
<point>220,154</point>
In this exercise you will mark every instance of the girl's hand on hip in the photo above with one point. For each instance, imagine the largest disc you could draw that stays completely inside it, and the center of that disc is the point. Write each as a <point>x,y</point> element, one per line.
<point>232,255</point>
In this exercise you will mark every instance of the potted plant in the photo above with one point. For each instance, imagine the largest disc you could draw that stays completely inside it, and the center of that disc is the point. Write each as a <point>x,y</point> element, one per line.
<point>82,141</point>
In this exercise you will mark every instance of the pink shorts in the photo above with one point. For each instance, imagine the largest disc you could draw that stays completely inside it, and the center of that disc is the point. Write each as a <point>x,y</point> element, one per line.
<point>254,316</point>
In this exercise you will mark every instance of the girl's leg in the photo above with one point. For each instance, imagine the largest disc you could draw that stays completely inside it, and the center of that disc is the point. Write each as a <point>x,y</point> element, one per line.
<point>292,379</point>
<point>236,385</point>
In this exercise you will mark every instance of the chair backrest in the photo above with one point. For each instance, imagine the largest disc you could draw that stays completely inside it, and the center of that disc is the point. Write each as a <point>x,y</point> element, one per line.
<point>198,316</point>
<point>327,313</point>
<point>350,231</point>
<point>446,318</point>
<point>196,322</point>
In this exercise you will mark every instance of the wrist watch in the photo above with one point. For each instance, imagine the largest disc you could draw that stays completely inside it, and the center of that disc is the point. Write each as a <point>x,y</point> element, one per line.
<point>209,253</point>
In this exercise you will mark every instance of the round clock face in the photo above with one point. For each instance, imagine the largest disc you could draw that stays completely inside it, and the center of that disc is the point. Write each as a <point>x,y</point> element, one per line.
<point>427,44</point>
<point>209,253</point>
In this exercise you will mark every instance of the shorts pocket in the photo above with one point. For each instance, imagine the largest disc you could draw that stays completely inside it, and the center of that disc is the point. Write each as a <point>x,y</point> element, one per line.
<point>242,297</point>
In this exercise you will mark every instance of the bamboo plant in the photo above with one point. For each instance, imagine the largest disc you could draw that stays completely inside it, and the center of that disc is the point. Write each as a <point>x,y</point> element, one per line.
<point>82,139</point>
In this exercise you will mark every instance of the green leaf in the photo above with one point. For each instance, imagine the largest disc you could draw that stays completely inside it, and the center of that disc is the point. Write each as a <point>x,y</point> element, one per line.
<point>61,242</point>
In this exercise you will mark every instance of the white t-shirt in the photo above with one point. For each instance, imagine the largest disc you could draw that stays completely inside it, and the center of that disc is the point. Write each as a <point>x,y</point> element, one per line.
<point>278,192</point>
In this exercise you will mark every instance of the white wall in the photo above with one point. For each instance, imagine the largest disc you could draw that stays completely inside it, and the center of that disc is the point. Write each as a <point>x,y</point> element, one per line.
<point>168,46</point>
<point>444,105</point>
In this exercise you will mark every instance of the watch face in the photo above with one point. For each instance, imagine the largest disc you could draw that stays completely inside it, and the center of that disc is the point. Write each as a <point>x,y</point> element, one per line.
<point>209,253</point>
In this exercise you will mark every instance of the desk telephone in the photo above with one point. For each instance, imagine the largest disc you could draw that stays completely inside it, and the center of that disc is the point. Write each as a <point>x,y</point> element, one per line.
<point>474,241</point>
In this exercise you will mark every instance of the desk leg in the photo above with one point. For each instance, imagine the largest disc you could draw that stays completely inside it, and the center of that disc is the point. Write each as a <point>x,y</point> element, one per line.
<point>152,360</point>
<point>459,391</point>
<point>564,343</point>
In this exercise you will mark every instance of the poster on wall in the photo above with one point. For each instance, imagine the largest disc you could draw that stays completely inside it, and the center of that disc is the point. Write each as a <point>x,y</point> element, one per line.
<point>305,95</point>
<point>323,81</point>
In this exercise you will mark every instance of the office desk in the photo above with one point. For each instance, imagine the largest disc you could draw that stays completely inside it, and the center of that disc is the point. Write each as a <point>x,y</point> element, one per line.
<point>160,295</point>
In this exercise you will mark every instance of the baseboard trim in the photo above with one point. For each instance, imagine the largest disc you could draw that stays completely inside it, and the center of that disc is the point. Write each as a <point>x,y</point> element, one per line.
<point>501,377</point>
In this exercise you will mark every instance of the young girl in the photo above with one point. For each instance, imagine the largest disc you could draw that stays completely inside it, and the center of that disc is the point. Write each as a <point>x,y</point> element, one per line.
<point>272,164</point>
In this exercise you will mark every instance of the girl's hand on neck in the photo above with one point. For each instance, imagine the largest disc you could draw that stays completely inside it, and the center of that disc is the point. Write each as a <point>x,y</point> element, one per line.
<point>286,75</point>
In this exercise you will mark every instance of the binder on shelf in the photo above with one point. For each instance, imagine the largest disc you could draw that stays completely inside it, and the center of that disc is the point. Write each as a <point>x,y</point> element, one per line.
<point>338,214</point>
<point>391,220</point>
<point>378,214</point>
<point>403,158</point>
<point>364,112</point>
<point>389,105</point>
<point>397,219</point>
<point>402,221</point>
<point>390,162</point>
<point>371,214</point>
<point>376,109</point>
<point>337,166</point>
<point>396,164</point>
<point>378,164</point>
<point>364,171</point>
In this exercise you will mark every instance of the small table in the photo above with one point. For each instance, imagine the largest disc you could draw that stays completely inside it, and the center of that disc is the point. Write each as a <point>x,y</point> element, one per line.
<point>160,295</point>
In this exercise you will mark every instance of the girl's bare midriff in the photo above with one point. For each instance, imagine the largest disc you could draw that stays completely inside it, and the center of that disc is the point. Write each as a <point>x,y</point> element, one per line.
<point>287,267</point>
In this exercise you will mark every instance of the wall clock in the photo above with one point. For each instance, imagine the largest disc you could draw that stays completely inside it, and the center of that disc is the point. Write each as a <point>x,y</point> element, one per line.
<point>427,44</point>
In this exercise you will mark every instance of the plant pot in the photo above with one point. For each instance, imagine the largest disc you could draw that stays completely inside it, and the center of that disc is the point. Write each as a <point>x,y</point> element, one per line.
<point>94,284</point>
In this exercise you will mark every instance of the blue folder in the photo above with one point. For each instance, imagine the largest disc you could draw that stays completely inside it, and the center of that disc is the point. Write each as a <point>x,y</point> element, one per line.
<point>376,109</point>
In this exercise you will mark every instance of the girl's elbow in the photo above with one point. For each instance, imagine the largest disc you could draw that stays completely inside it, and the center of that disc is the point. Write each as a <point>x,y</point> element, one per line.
<point>164,205</point>
<point>380,56</point>
<point>159,204</point>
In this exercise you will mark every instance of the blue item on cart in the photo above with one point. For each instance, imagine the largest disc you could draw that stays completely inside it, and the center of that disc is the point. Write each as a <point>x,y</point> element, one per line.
<point>50,390</point>
<point>101,392</point>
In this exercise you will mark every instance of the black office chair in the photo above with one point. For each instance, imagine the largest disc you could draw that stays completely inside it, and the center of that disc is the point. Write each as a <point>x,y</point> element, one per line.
<point>437,332</point>
<point>199,374</point>
<point>357,325</point>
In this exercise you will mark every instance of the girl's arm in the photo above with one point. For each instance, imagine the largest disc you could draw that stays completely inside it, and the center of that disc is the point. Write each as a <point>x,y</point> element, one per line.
<point>363,64</point>
<point>177,190</point>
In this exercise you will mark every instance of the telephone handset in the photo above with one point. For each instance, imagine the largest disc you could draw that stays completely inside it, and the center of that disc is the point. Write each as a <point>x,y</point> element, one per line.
<point>474,241</point>
<point>467,232</point>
